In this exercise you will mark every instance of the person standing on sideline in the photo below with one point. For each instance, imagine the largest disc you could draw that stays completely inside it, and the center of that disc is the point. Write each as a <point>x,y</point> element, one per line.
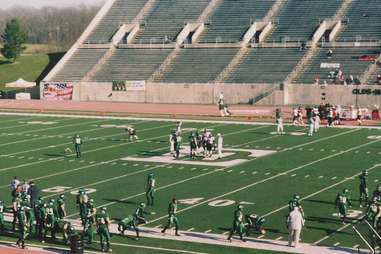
<point>77,145</point>
<point>150,189</point>
<point>172,217</point>
<point>220,143</point>
<point>295,223</point>
<point>279,121</point>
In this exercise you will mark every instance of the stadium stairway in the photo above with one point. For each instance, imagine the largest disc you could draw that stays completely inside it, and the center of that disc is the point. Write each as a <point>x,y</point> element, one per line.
<point>362,22</point>
<point>297,20</point>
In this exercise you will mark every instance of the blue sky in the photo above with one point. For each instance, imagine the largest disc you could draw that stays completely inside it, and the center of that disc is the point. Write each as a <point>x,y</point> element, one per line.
<point>4,4</point>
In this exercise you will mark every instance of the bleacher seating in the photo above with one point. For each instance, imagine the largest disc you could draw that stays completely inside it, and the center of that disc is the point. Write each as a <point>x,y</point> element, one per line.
<point>348,58</point>
<point>123,11</point>
<point>363,22</point>
<point>131,64</point>
<point>266,65</point>
<point>232,18</point>
<point>298,19</point>
<point>79,64</point>
<point>373,78</point>
<point>199,65</point>
<point>167,19</point>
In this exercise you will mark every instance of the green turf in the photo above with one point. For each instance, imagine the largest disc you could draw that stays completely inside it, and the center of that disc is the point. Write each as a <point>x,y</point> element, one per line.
<point>314,167</point>
<point>28,67</point>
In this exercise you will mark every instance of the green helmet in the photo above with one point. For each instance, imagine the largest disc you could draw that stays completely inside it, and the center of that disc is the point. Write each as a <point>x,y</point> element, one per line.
<point>365,172</point>
<point>296,196</point>
<point>345,191</point>
<point>142,205</point>
<point>240,207</point>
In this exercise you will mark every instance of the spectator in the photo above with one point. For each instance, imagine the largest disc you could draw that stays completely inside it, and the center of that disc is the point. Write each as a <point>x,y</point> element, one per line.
<point>379,79</point>
<point>295,223</point>
<point>329,53</point>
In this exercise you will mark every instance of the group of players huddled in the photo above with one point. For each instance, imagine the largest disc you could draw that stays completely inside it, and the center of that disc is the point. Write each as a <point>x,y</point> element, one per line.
<point>202,143</point>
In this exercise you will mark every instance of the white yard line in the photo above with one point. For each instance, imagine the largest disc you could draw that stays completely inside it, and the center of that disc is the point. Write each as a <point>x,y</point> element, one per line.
<point>22,132</point>
<point>53,136</point>
<point>169,120</point>
<point>322,190</point>
<point>266,179</point>
<point>89,151</point>
<point>68,143</point>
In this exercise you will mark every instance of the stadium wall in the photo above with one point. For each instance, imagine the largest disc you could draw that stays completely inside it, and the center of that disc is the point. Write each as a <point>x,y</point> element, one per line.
<point>261,94</point>
<point>169,93</point>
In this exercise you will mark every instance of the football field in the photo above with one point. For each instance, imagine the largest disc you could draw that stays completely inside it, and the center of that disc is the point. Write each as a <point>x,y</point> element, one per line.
<point>259,169</point>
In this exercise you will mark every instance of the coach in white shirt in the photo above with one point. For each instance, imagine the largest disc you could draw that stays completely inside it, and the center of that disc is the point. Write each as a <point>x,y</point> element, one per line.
<point>295,223</point>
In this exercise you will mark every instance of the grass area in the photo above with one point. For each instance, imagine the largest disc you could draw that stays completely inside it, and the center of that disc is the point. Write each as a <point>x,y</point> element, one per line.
<point>316,168</point>
<point>33,65</point>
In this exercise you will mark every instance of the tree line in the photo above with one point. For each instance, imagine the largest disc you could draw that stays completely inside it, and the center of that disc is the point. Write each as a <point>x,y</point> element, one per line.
<point>50,25</point>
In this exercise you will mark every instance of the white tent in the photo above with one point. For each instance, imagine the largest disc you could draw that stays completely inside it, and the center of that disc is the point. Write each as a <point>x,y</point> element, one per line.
<point>20,83</point>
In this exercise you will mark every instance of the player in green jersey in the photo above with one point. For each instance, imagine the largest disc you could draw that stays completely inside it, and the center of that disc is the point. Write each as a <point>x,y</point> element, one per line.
<point>22,226</point>
<point>238,223</point>
<point>61,211</point>
<point>372,214</point>
<point>133,221</point>
<point>77,141</point>
<point>150,189</point>
<point>103,223</point>
<point>342,202</point>
<point>364,193</point>
<point>172,217</point>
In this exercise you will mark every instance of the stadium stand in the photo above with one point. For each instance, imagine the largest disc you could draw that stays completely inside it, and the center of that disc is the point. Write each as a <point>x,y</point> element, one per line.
<point>79,64</point>
<point>298,19</point>
<point>120,13</point>
<point>212,59</point>
<point>266,65</point>
<point>232,18</point>
<point>131,64</point>
<point>352,61</point>
<point>198,65</point>
<point>167,18</point>
<point>363,22</point>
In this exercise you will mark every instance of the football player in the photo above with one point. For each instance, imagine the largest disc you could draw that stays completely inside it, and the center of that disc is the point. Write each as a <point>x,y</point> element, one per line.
<point>61,211</point>
<point>192,145</point>
<point>132,134</point>
<point>16,203</point>
<point>150,189</point>
<point>22,226</point>
<point>254,222</point>
<point>316,116</point>
<point>373,212</point>
<point>178,127</point>
<point>172,217</point>
<point>364,194</point>
<point>81,200</point>
<point>133,221</point>
<point>51,221</point>
<point>77,141</point>
<point>103,223</point>
<point>220,142</point>
<point>342,202</point>
<point>279,121</point>
<point>238,224</point>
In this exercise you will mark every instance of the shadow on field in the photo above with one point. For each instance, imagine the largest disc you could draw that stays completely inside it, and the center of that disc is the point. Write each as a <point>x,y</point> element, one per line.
<point>149,153</point>
<point>128,202</point>
<point>330,231</point>
<point>323,220</point>
<point>319,201</point>
<point>54,155</point>
<point>53,60</point>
